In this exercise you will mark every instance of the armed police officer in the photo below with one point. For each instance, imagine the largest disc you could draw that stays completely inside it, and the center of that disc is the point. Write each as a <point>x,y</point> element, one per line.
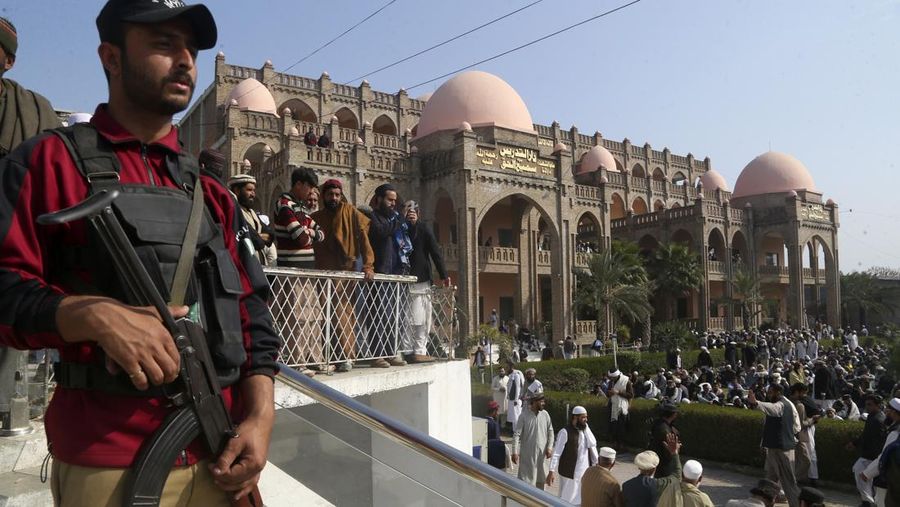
<point>57,291</point>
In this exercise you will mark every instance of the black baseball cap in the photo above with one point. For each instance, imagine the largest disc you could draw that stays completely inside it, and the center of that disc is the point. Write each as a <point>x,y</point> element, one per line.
<point>116,12</point>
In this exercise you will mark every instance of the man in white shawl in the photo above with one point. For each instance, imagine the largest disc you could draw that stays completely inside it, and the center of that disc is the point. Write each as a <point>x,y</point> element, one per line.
<point>620,395</point>
<point>574,452</point>
<point>514,391</point>
<point>498,386</point>
<point>533,439</point>
<point>651,391</point>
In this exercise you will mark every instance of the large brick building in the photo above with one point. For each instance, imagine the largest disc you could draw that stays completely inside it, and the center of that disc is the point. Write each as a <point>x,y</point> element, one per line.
<point>515,204</point>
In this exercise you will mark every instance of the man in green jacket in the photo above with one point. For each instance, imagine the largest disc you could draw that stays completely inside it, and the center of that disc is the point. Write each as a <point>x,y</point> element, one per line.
<point>645,490</point>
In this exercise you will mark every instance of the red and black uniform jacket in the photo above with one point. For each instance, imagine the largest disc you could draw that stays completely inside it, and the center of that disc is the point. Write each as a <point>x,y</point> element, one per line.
<point>93,428</point>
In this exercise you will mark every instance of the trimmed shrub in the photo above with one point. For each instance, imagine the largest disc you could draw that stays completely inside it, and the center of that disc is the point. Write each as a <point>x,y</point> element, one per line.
<point>644,362</point>
<point>722,434</point>
<point>573,380</point>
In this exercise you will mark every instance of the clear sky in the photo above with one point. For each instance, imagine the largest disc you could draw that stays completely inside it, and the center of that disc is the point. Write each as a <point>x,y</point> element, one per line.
<point>819,79</point>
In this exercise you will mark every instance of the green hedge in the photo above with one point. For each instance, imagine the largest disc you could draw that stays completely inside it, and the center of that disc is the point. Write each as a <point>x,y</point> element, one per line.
<point>645,362</point>
<point>722,434</point>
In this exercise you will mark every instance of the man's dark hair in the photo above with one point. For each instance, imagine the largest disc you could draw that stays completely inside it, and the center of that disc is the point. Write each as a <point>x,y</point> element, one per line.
<point>874,398</point>
<point>798,388</point>
<point>304,175</point>
<point>382,190</point>
<point>9,24</point>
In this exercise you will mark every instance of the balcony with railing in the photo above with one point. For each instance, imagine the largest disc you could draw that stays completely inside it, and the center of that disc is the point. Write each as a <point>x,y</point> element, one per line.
<point>774,271</point>
<point>543,258</point>
<point>450,253</point>
<point>498,259</point>
<point>585,330</point>
<point>582,259</point>
<point>717,323</point>
<point>588,192</point>
<point>387,141</point>
<point>346,90</point>
<point>715,267</point>
<point>303,83</point>
<point>260,121</point>
<point>327,156</point>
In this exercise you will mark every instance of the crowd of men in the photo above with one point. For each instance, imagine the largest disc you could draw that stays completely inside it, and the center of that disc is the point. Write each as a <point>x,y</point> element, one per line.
<point>782,373</point>
<point>315,227</point>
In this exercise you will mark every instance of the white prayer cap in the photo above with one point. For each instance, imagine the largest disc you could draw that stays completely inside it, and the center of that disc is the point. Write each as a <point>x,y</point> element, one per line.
<point>647,460</point>
<point>614,373</point>
<point>534,392</point>
<point>608,453</point>
<point>579,410</point>
<point>692,470</point>
<point>895,404</point>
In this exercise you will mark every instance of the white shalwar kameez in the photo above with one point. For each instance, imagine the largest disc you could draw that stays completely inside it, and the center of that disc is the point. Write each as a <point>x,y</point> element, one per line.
<point>570,489</point>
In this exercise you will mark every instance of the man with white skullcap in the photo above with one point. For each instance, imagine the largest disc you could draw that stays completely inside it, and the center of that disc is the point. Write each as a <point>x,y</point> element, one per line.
<point>574,452</point>
<point>872,471</point>
<point>533,438</point>
<point>599,488</point>
<point>691,495</point>
<point>620,393</point>
<point>646,491</point>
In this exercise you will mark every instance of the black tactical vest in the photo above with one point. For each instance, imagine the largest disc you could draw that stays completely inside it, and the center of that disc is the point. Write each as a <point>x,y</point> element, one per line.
<point>155,220</point>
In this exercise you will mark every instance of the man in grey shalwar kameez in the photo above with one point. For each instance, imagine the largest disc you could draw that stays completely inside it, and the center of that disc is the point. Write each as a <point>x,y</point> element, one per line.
<point>533,439</point>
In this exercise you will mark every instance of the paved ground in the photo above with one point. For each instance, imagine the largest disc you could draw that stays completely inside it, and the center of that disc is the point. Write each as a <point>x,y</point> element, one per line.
<point>721,485</point>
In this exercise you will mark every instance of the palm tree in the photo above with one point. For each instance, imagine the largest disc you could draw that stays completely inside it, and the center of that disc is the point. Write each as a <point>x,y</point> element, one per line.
<point>674,271</point>
<point>747,285</point>
<point>863,293</point>
<point>615,285</point>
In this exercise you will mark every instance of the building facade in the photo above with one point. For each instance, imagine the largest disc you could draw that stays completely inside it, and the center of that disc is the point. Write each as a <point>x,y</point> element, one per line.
<point>517,206</point>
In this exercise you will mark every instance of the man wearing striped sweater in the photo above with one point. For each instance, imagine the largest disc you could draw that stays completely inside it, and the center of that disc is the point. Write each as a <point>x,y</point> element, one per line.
<point>295,230</point>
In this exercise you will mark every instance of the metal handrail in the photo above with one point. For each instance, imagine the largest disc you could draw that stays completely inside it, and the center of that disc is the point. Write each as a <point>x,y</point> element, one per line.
<point>343,275</point>
<point>469,467</point>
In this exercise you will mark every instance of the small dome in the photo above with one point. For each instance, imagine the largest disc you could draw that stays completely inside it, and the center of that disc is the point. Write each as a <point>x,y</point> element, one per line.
<point>476,97</point>
<point>773,173</point>
<point>295,131</point>
<point>325,74</point>
<point>792,193</point>
<point>220,54</point>
<point>251,95</point>
<point>830,202</point>
<point>465,127</point>
<point>597,157</point>
<point>604,179</point>
<point>365,82</point>
<point>712,181</point>
<point>334,118</point>
<point>287,111</point>
<point>246,163</point>
<point>79,118</point>
<point>268,63</point>
<point>359,140</point>
<point>560,148</point>
<point>414,149</point>
<point>267,149</point>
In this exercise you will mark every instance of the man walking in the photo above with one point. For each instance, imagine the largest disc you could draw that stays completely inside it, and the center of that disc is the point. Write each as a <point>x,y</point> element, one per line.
<point>691,496</point>
<point>869,446</point>
<point>662,427</point>
<point>872,473</point>
<point>804,448</point>
<point>424,251</point>
<point>117,356</point>
<point>514,393</point>
<point>645,490</point>
<point>599,488</point>
<point>533,439</point>
<point>498,391</point>
<point>574,452</point>
<point>620,395</point>
<point>781,424</point>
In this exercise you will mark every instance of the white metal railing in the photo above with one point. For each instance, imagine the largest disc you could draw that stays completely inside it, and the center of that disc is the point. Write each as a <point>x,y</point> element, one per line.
<point>328,317</point>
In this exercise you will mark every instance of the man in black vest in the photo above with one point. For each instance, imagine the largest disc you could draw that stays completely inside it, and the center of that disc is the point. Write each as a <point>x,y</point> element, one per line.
<point>574,452</point>
<point>779,439</point>
<point>869,446</point>
<point>662,427</point>
<point>115,356</point>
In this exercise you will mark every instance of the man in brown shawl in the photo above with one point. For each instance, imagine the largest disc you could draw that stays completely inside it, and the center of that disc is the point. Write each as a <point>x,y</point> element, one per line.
<point>23,114</point>
<point>346,239</point>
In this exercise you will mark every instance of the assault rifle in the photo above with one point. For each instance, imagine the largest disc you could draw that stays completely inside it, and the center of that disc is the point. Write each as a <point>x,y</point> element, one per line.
<point>197,397</point>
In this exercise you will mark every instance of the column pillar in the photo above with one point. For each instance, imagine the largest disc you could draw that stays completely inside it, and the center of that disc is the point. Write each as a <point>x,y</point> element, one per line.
<point>796,303</point>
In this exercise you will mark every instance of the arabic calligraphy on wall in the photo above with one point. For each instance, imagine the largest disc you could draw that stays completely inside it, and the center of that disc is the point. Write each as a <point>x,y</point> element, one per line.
<point>815,212</point>
<point>520,160</point>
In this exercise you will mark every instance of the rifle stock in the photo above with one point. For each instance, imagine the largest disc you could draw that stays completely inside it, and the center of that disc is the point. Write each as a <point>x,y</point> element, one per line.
<point>201,410</point>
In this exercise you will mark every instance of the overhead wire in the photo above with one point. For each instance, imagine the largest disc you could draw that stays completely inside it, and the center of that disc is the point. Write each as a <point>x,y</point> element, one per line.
<point>527,44</point>
<point>444,43</point>
<point>323,46</point>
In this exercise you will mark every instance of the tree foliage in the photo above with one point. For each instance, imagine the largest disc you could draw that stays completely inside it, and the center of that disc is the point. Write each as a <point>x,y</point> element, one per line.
<point>674,271</point>
<point>863,294</point>
<point>615,284</point>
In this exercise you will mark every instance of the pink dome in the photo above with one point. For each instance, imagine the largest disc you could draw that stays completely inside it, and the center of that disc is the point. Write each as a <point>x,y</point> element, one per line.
<point>252,95</point>
<point>476,97</point>
<point>773,173</point>
<point>712,181</point>
<point>596,157</point>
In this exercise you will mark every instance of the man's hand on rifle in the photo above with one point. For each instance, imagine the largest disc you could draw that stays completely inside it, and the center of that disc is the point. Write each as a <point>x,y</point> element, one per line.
<point>133,338</point>
<point>238,467</point>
